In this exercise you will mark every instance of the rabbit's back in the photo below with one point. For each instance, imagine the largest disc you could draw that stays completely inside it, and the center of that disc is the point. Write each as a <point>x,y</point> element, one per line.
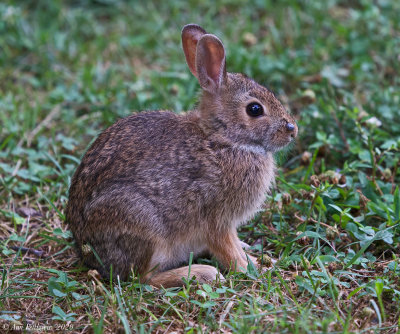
<point>154,154</point>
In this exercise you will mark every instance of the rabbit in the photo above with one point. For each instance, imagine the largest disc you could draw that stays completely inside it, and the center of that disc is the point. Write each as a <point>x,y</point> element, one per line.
<point>156,185</point>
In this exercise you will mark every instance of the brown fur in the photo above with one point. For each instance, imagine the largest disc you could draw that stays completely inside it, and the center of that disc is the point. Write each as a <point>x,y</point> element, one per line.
<point>156,186</point>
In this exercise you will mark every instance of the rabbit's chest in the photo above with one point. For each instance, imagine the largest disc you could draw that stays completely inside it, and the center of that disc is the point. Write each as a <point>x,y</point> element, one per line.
<point>247,179</point>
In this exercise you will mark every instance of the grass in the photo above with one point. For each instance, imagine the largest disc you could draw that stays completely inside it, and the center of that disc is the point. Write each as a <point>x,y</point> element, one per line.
<point>68,69</point>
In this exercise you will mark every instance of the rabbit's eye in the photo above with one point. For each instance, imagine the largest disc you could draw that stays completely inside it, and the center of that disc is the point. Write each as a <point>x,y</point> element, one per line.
<point>254,109</point>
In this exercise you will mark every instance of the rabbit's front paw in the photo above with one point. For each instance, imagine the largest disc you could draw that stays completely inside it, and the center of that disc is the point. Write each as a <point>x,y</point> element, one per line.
<point>244,245</point>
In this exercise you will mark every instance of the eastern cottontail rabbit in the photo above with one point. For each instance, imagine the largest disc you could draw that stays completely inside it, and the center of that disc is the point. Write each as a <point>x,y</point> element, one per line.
<point>156,186</point>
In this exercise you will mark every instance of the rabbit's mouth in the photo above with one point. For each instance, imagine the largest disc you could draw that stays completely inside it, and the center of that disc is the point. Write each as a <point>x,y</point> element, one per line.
<point>282,143</point>
<point>279,142</point>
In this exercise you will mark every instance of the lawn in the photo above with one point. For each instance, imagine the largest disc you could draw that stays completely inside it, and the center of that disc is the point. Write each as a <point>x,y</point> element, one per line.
<point>69,69</point>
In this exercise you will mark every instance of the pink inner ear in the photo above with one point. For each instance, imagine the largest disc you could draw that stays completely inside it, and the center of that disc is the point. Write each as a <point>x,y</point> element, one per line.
<point>215,62</point>
<point>189,48</point>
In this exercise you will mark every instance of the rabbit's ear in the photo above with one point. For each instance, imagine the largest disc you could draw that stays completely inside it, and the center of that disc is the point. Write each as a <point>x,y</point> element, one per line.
<point>210,63</point>
<point>191,34</point>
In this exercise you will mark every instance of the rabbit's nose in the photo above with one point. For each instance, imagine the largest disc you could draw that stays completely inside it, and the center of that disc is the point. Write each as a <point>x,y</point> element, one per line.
<point>290,127</point>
